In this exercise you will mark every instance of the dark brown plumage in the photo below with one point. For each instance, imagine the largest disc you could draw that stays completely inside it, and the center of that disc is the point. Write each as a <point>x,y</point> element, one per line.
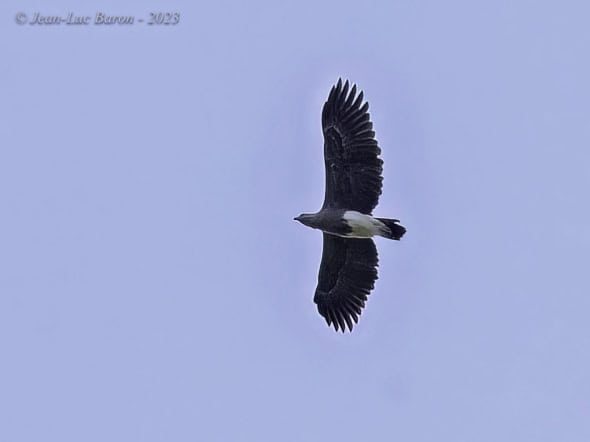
<point>348,270</point>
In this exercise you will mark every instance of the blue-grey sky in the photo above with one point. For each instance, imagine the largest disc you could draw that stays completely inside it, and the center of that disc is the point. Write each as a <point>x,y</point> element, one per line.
<point>153,283</point>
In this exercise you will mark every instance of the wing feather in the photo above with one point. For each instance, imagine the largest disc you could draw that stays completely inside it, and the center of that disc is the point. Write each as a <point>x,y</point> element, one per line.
<point>351,153</point>
<point>347,275</point>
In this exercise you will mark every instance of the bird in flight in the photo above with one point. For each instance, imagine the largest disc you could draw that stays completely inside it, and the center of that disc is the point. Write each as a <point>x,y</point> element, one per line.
<point>348,270</point>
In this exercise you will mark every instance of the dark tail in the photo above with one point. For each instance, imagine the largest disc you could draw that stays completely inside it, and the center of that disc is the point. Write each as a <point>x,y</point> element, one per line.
<point>394,230</point>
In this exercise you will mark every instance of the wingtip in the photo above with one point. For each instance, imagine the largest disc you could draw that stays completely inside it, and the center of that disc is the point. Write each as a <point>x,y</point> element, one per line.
<point>341,323</point>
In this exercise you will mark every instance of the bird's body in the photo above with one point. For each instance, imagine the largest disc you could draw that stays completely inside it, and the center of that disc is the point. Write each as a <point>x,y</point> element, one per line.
<point>348,270</point>
<point>346,223</point>
<point>364,226</point>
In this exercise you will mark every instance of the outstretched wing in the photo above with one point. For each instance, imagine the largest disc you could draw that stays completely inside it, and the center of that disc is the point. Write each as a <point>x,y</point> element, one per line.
<point>347,275</point>
<point>351,153</point>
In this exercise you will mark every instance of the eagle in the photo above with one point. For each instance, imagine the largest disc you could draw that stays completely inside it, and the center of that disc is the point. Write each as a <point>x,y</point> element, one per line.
<point>354,180</point>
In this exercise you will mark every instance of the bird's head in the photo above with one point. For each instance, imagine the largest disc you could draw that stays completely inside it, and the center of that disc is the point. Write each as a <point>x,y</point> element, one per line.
<point>306,219</point>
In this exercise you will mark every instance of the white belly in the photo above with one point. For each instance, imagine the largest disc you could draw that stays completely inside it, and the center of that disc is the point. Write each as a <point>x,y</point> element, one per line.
<point>362,226</point>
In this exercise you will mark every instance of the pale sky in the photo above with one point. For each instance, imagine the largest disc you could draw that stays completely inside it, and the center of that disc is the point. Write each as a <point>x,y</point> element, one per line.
<point>153,283</point>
